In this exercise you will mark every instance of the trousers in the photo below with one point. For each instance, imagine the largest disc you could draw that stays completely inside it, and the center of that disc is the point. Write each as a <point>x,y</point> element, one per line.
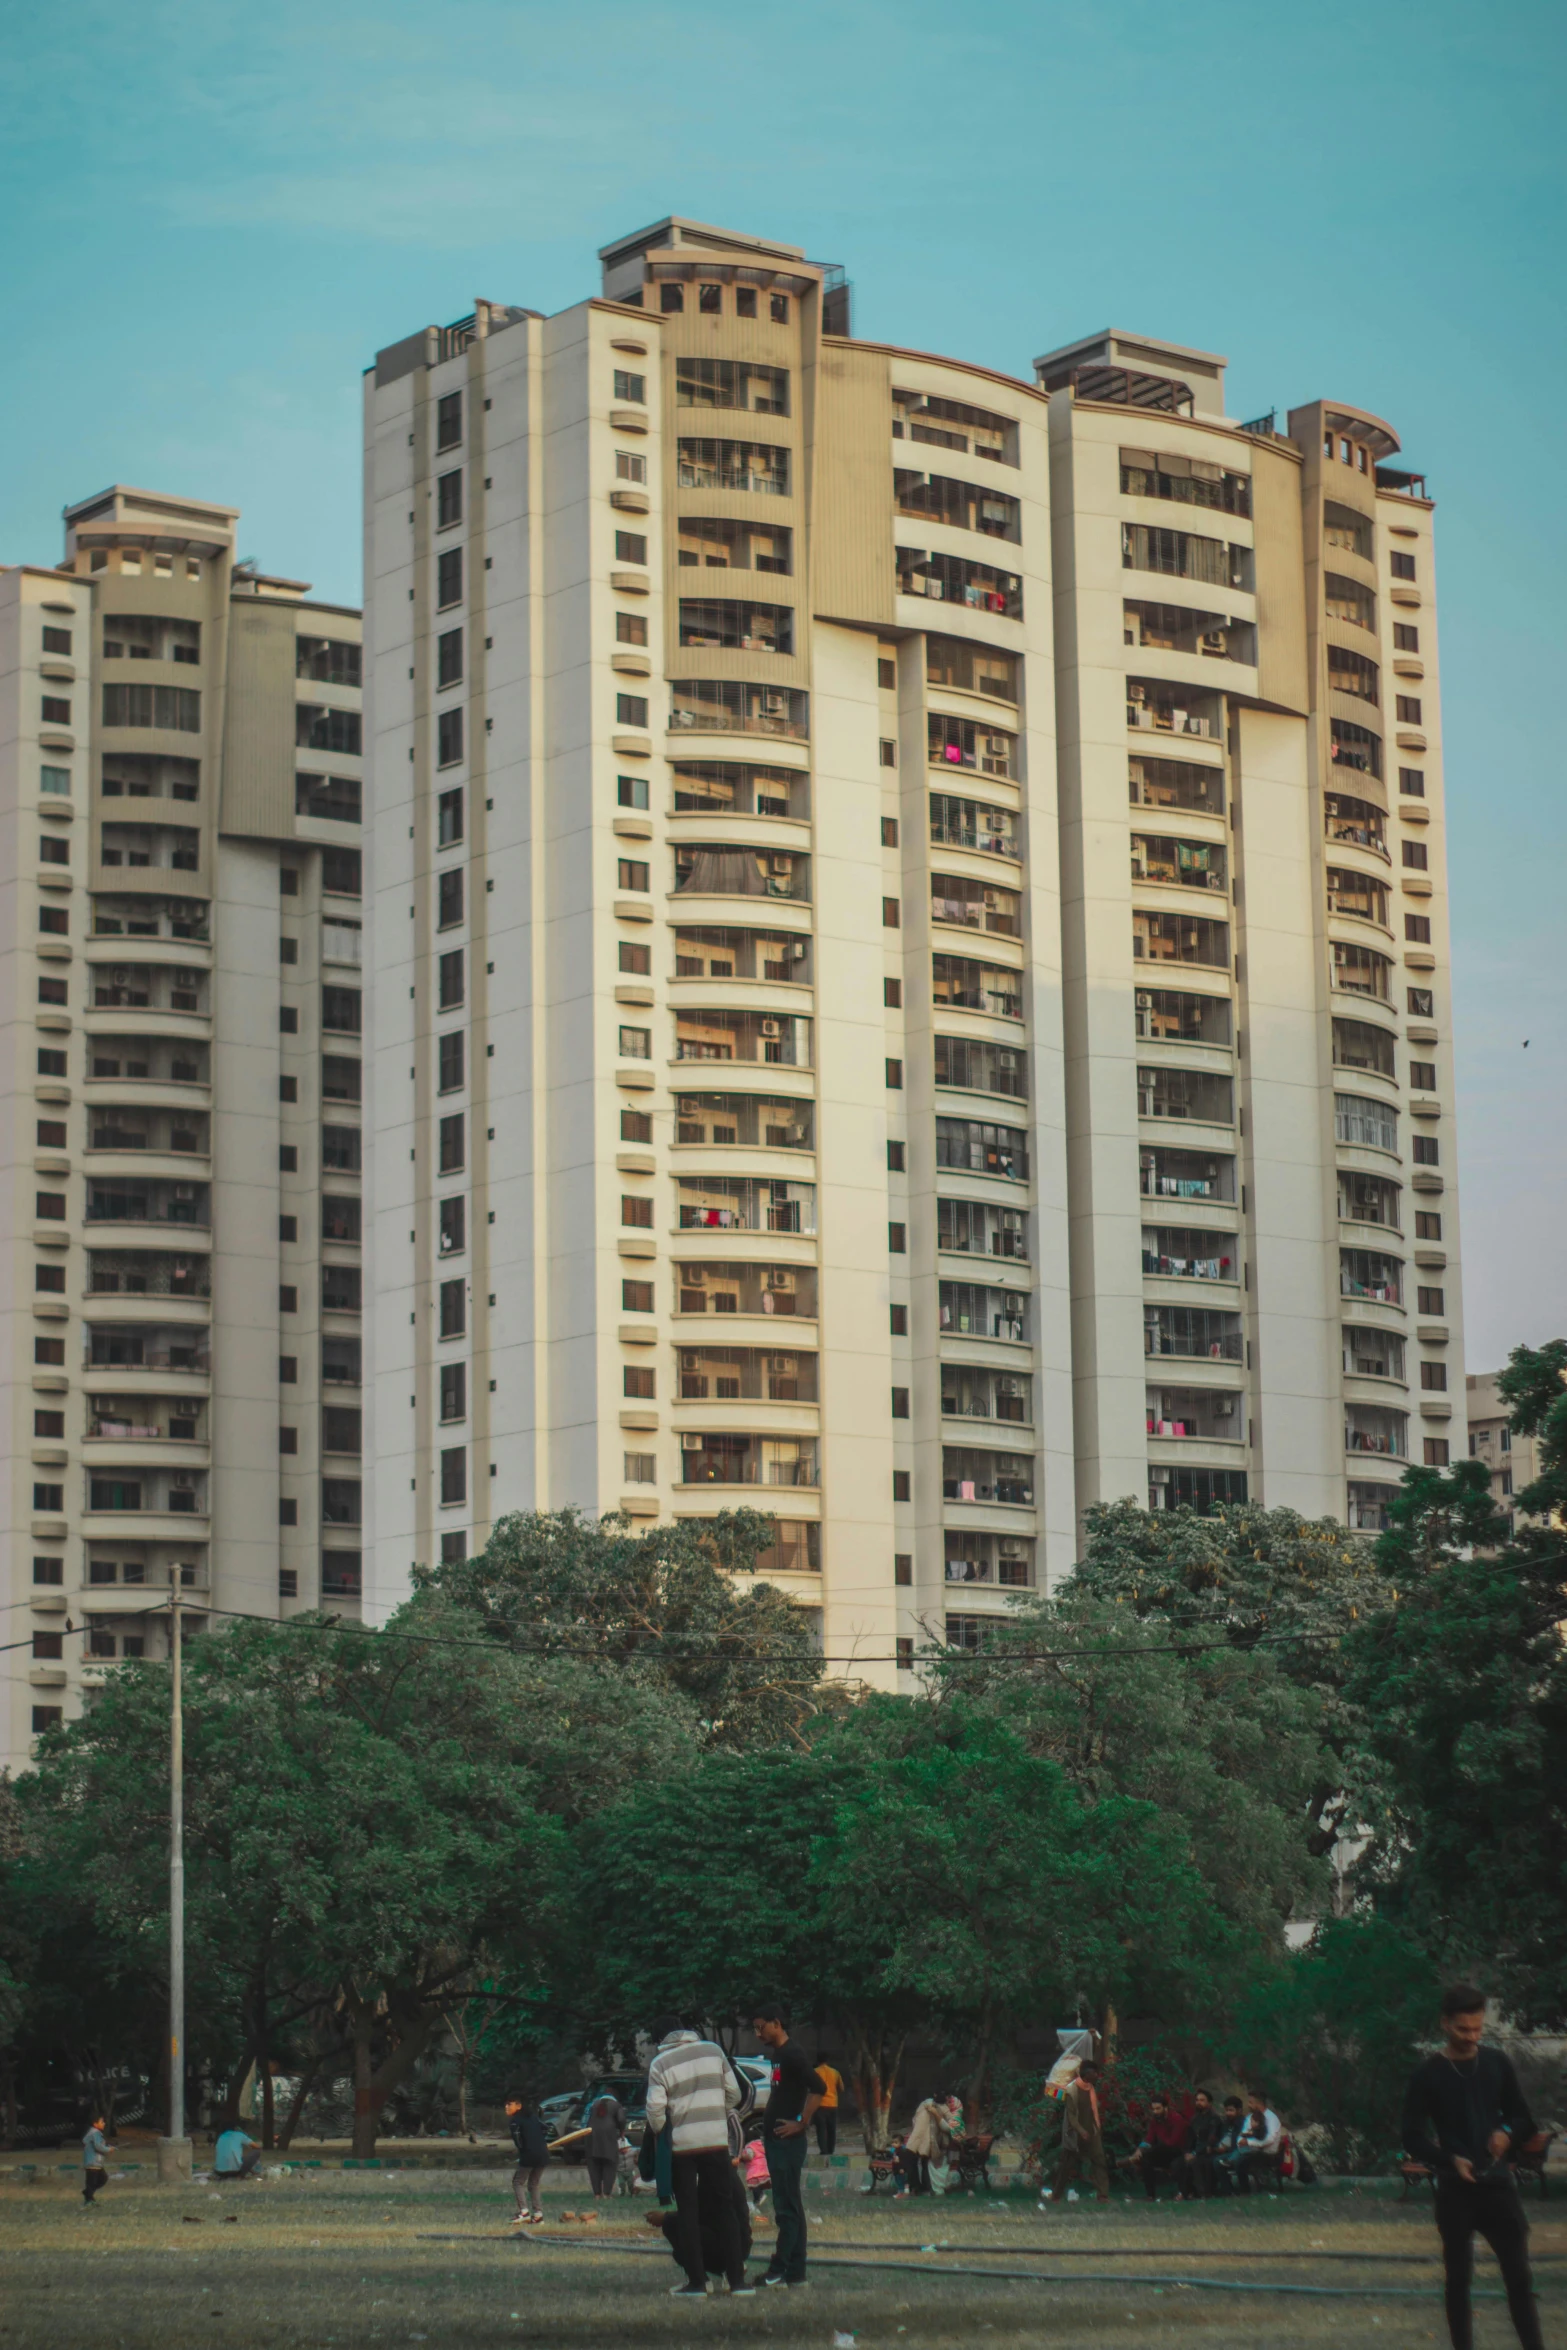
<point>601,2173</point>
<point>525,2186</point>
<point>826,2129</point>
<point>1490,2209</point>
<point>704,2201</point>
<point>1088,2154</point>
<point>785,2168</point>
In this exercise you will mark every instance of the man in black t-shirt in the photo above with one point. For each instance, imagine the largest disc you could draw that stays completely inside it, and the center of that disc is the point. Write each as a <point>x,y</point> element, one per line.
<point>797,2092</point>
<point>1462,2113</point>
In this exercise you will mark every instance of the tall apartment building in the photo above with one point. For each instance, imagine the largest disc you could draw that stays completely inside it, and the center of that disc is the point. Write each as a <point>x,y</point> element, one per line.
<point>180,806</point>
<point>774,1099</point>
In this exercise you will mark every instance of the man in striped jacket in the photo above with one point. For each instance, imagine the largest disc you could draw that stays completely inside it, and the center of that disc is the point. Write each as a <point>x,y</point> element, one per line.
<point>692,2087</point>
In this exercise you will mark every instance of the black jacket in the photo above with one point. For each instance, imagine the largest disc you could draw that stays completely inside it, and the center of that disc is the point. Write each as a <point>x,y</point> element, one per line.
<point>1453,2108</point>
<point>531,2139</point>
<point>1204,2132</point>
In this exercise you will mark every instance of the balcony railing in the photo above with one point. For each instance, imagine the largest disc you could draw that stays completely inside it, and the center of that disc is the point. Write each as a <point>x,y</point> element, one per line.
<point>970,905</point>
<point>968,824</point>
<point>130,1276</point>
<point>727,705</point>
<point>1190,1331</point>
<point>744,1203</point>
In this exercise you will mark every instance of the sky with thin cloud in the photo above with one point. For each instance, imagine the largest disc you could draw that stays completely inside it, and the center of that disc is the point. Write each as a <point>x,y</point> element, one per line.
<point>215,214</point>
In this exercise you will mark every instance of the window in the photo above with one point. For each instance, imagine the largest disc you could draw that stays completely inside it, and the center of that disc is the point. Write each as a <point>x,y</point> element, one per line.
<point>330,660</point>
<point>1430,1301</point>
<point>49,1351</point>
<point>630,465</point>
<point>48,1278</point>
<point>54,919</point>
<point>631,791</point>
<point>636,1126</point>
<point>56,640</point>
<point>51,1063</point>
<point>1412,782</point>
<point>288,1227</point>
<point>448,738</point>
<point>636,1297</point>
<point>341,1080</point>
<point>630,387</point>
<point>637,1382</point>
<point>342,1010</point>
<point>49,1424</point>
<point>892,994</point>
<point>1418,928</point>
<point>1422,1076</point>
<point>732,383</point>
<point>636,1044</point>
<point>449,970</point>
<point>1433,1378</point>
<point>448,658</point>
<point>448,579</point>
<point>636,959</point>
<point>342,1571</point>
<point>49,1206</point>
<point>1403,566</point>
<point>1416,856</point>
<point>454,1391</point>
<point>898,1239</point>
<point>55,852</point>
<point>449,896</point>
<point>1422,1003</point>
<point>340,1149</point>
<point>901,1485</point>
<point>58,713</point>
<point>1369,1123</point>
<point>632,874</point>
<point>448,500</point>
<point>174,708</point>
<point>631,628</point>
<point>900,1403</point>
<point>288,1582</point>
<point>288,1299</point>
<point>454,1308</point>
<point>47,1717</point>
<point>890,913</point>
<point>631,709</point>
<point>342,872</point>
<point>48,1570</point>
<point>636,1211</point>
<point>52,1497</point>
<point>448,420</point>
<point>778,309</point>
<point>1405,638</point>
<point>453,1144</point>
<point>894,1076</point>
<point>1428,1225</point>
<point>671,299</point>
<point>1407,710</point>
<point>630,547</point>
<point>898,1321</point>
<point>454,1475</point>
<point>288,1440</point>
<point>453,1224</point>
<point>1426,1152</point>
<point>48,1645</point>
<point>288,1370</point>
<point>55,779</point>
<point>341,1289</point>
<point>896,1157</point>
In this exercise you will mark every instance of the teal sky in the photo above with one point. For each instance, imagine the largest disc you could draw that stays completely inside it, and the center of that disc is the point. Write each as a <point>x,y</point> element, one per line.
<point>216,212</point>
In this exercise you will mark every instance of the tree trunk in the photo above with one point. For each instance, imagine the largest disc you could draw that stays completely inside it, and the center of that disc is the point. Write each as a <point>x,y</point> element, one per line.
<point>367,2106</point>
<point>307,2081</point>
<point>373,2084</point>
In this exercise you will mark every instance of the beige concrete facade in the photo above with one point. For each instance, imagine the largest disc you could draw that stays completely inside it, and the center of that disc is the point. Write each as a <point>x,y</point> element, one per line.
<point>180,800</point>
<point>1513,1461</point>
<point>778,818</point>
<point>1266,1296</point>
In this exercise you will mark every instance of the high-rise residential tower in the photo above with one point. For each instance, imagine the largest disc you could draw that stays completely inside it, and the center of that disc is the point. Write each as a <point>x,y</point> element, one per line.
<point>773,1097</point>
<point>180,805</point>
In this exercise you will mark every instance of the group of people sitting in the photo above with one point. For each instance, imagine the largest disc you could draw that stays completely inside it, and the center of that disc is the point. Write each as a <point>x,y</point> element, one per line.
<point>1203,2151</point>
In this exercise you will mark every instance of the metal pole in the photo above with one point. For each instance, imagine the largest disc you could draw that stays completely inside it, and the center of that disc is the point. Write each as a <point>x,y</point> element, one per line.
<point>176,1875</point>
<point>174,2152</point>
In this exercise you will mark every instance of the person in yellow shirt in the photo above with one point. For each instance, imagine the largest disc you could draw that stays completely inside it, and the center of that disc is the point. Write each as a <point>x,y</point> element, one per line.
<point>827,2111</point>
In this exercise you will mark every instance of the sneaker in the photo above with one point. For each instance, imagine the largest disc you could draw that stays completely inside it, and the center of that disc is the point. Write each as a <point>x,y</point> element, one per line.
<point>742,2292</point>
<point>779,2281</point>
<point>688,2292</point>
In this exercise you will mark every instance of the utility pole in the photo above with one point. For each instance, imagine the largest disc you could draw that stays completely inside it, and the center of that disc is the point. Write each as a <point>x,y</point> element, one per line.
<point>174,2151</point>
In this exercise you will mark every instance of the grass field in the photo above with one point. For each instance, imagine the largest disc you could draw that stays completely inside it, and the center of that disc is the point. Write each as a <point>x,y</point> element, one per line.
<point>346,2260</point>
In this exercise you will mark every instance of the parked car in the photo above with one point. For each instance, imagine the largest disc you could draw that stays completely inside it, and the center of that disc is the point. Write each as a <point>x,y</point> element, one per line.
<point>569,2112</point>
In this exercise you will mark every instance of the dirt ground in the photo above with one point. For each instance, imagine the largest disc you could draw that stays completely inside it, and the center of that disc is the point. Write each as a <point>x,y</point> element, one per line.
<point>340,2261</point>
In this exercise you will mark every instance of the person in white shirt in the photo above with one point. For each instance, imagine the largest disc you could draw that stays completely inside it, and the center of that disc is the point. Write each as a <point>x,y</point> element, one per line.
<point>1260,2143</point>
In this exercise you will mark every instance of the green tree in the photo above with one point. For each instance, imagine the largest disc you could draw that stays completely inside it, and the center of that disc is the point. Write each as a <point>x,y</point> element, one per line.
<point>363,1832</point>
<point>1534,1385</point>
<point>973,1877</point>
<point>659,1608</point>
<point>1333,2033</point>
<point>1462,1682</point>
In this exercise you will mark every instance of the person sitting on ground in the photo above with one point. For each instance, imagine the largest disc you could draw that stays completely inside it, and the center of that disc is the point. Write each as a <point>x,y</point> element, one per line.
<point>1082,2137</point>
<point>1198,2175</point>
<point>532,2141</point>
<point>235,2155</point>
<point>1161,2146</point>
<point>1261,2142</point>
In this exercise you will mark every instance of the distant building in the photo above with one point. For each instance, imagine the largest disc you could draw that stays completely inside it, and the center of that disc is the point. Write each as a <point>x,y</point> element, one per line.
<point>1514,1461</point>
<point>180,888</point>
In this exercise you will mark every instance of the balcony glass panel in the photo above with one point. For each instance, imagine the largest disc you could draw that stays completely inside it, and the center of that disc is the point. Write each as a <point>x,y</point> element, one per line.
<point>1172,1487</point>
<point>974,1473</point>
<point>955,579</point>
<point>1369,1199</point>
<point>1180,1253</point>
<point>782,1041</point>
<point>715,1287</point>
<point>977,1228</point>
<point>960,505</point>
<point>1193,1330</point>
<point>718,787</point>
<point>1361,971</point>
<point>1176,1174</point>
<point>1363,1272</point>
<point>1180,938</point>
<point>981,1148</point>
<point>1153,704</point>
<point>975,905</point>
<point>1371,1125</point>
<point>1186,481</point>
<point>1176,628</point>
<point>751,1374</point>
<point>977,1066</point>
<point>1175,783</point>
<point>732,465</point>
<point>1182,554</point>
<point>731,705</point>
<point>1171,1016</point>
<point>714,1459</point>
<point>977,987</point>
<point>1357,894</point>
<point>744,1203</point>
<point>1359,1045</point>
<point>962,667</point>
<point>1356,821</point>
<point>963,742</point>
<point>717,622</point>
<point>712,951</point>
<point>1375,1429</point>
<point>972,1557</point>
<point>1215,1413</point>
<point>717,869</point>
<point>1180,864</point>
<point>1186,1093</point>
<point>971,1311</point>
<point>732,383</point>
<point>971,824</point>
<point>976,1391</point>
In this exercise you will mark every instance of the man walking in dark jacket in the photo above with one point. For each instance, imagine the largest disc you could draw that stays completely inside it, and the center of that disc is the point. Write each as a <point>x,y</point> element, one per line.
<point>532,2141</point>
<point>1463,2111</point>
<point>606,2118</point>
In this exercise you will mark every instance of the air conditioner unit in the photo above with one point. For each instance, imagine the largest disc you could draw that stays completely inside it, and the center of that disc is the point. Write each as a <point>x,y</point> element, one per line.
<point>772,1028</point>
<point>690,1361</point>
<point>781,864</point>
<point>690,1443</point>
<point>777,1278</point>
